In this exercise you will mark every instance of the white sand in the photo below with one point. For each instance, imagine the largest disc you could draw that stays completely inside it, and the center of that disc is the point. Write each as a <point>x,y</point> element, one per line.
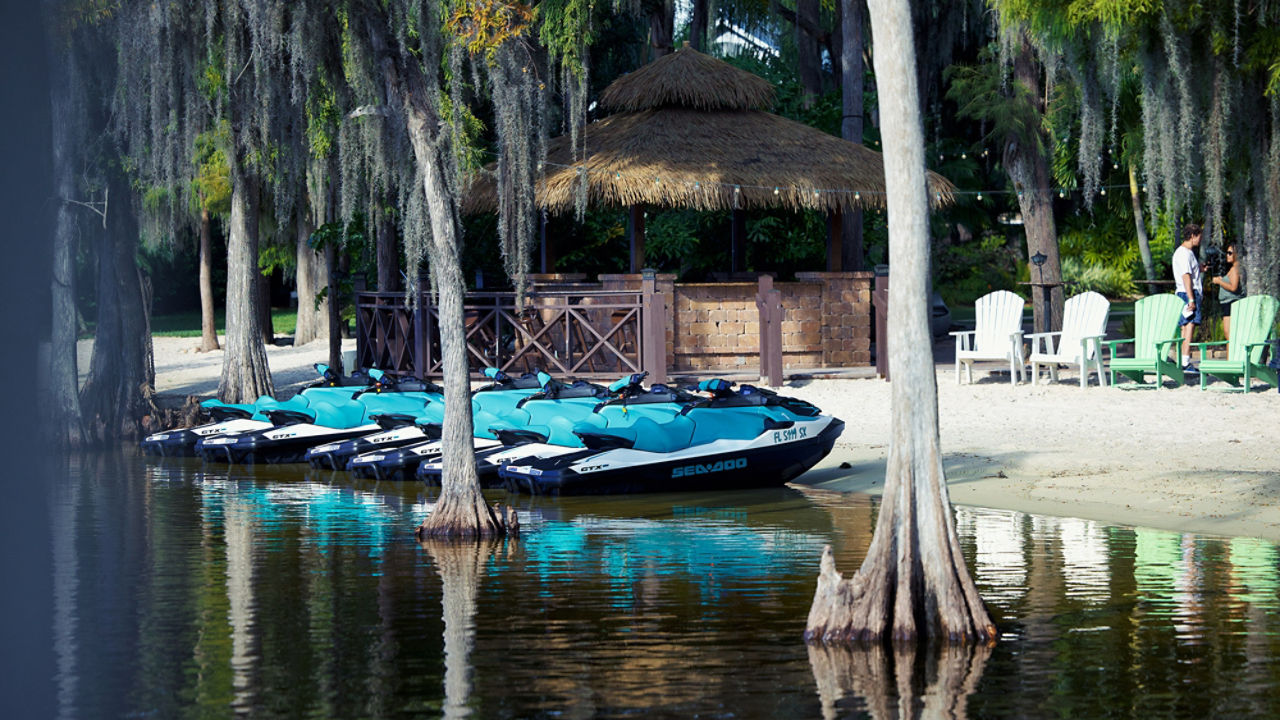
<point>1175,458</point>
<point>181,371</point>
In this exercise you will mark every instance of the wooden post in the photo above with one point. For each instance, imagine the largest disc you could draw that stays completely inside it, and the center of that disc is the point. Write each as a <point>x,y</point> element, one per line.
<point>880,300</point>
<point>769,303</point>
<point>653,328</point>
<point>422,329</point>
<point>635,230</point>
<point>738,243</point>
<point>835,241</point>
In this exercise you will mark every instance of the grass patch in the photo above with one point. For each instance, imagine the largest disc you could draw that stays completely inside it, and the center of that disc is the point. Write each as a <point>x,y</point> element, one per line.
<point>283,321</point>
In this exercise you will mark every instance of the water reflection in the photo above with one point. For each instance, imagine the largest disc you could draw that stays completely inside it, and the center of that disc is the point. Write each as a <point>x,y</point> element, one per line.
<point>461,566</point>
<point>899,683</point>
<point>189,590</point>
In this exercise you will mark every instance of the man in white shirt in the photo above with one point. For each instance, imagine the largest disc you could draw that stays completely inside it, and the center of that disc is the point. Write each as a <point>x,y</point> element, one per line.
<point>1187,281</point>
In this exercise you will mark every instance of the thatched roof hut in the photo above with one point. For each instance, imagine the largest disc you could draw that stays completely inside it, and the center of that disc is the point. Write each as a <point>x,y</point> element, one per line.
<point>690,130</point>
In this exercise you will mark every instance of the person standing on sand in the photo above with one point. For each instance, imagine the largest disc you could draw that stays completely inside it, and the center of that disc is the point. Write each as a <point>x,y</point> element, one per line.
<point>1230,289</point>
<point>1187,281</point>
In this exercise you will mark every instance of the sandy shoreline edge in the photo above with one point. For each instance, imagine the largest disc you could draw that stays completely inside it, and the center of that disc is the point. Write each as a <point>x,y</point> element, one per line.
<point>1175,459</point>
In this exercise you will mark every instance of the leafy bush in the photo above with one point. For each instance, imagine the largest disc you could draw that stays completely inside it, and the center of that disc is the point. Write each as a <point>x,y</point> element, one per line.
<point>1111,281</point>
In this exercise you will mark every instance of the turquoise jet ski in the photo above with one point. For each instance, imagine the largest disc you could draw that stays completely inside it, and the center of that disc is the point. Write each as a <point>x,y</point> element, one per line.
<point>229,418</point>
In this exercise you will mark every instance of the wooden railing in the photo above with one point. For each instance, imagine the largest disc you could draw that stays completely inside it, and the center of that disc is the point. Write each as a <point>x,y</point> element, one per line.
<point>587,333</point>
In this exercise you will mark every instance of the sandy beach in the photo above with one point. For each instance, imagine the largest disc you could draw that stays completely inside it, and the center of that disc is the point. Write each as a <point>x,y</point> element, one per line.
<point>1175,458</point>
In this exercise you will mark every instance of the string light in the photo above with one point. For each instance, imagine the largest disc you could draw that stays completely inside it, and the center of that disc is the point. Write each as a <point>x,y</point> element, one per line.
<point>817,192</point>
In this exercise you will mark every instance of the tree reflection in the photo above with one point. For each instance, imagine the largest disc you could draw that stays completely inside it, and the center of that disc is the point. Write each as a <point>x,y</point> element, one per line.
<point>899,682</point>
<point>461,567</point>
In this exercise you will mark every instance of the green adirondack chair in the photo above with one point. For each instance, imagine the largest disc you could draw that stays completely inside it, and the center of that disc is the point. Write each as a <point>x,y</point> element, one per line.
<point>1155,329</point>
<point>1253,323</point>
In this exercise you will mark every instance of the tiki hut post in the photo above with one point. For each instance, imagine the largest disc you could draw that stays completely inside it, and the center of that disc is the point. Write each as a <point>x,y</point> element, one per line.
<point>738,243</point>
<point>635,237</point>
<point>835,241</point>
<point>546,247</point>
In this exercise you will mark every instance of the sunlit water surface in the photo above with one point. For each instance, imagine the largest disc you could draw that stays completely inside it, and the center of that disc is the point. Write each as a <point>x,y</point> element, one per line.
<point>185,590</point>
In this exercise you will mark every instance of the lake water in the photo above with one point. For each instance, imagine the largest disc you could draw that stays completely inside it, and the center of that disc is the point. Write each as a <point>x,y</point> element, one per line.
<point>185,590</point>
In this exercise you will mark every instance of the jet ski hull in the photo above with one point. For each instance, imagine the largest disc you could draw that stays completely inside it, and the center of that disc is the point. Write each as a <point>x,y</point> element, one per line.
<point>338,455</point>
<point>773,458</point>
<point>488,461</point>
<point>182,442</point>
<point>275,445</point>
<point>402,463</point>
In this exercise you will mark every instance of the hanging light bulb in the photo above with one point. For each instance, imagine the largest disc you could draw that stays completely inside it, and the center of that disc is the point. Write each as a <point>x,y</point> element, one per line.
<point>1062,193</point>
<point>775,191</point>
<point>979,196</point>
<point>964,156</point>
<point>1103,191</point>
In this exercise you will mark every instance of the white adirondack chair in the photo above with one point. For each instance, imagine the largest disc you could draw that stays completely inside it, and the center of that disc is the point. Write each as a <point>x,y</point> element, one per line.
<point>1084,323</point>
<point>997,335</point>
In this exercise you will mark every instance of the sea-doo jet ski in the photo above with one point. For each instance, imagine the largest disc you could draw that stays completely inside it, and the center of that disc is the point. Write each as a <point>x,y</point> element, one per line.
<point>488,404</point>
<point>542,425</point>
<point>749,437</point>
<point>542,421</point>
<point>295,430</point>
<point>228,418</point>
<point>396,430</point>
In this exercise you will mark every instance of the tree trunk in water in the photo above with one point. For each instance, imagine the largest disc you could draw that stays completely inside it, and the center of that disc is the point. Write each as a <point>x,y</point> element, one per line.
<point>62,417</point>
<point>1140,226</point>
<point>245,373</point>
<point>388,251</point>
<point>662,21</point>
<point>852,88</point>
<point>698,26</point>
<point>1028,168</point>
<point>808,50</point>
<point>208,324</point>
<point>313,274</point>
<point>914,582</point>
<point>461,511</point>
<point>112,397</point>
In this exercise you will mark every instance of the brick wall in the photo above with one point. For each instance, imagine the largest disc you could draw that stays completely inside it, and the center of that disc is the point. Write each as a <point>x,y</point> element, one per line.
<point>846,316</point>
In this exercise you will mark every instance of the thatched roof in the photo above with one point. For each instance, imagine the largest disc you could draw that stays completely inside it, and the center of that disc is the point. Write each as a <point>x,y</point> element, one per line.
<point>689,137</point>
<point>688,78</point>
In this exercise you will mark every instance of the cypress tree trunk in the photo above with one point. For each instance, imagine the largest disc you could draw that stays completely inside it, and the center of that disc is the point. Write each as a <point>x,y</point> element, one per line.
<point>61,415</point>
<point>313,274</point>
<point>1140,226</point>
<point>662,21</point>
<point>208,324</point>
<point>263,298</point>
<point>913,583</point>
<point>388,255</point>
<point>112,399</point>
<point>245,374</point>
<point>1028,167</point>
<point>461,511</point>
<point>808,50</point>
<point>852,87</point>
<point>698,26</point>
